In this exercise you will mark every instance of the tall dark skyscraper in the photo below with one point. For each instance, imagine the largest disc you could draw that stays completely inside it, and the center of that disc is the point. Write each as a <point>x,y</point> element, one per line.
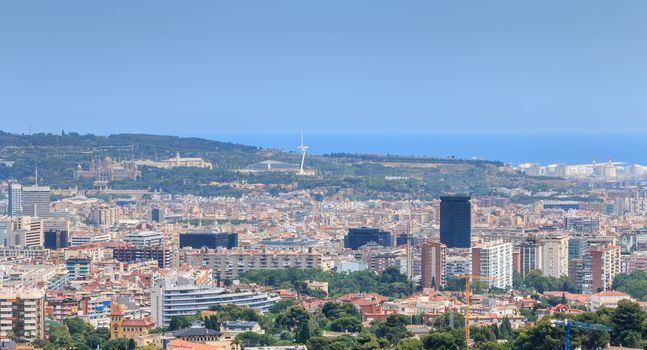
<point>455,221</point>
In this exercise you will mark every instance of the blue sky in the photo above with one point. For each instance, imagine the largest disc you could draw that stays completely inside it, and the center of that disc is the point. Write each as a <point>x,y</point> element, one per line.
<point>214,67</point>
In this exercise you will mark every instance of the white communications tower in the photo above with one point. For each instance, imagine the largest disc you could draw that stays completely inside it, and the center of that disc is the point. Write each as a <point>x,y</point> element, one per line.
<point>303,149</point>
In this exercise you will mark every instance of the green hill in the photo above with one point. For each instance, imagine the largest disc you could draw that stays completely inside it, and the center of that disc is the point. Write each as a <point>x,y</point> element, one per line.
<point>358,176</point>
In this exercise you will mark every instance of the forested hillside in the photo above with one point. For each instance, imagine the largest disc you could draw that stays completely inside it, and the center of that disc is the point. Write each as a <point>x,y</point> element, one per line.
<point>359,176</point>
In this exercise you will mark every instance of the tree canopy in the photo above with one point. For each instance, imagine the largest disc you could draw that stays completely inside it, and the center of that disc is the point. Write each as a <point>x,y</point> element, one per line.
<point>634,284</point>
<point>390,282</point>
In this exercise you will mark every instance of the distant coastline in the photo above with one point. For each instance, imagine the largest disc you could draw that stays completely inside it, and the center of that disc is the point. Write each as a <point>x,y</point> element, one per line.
<point>514,149</point>
<point>508,148</point>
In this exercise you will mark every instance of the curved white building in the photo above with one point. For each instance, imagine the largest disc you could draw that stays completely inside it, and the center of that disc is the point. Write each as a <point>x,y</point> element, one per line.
<point>178,296</point>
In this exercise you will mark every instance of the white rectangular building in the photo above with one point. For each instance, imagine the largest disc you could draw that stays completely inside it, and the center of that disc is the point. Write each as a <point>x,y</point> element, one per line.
<point>36,201</point>
<point>14,206</point>
<point>555,255</point>
<point>145,239</point>
<point>493,263</point>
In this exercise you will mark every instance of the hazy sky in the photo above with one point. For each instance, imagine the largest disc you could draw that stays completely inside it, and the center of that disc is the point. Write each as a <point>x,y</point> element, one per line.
<point>210,67</point>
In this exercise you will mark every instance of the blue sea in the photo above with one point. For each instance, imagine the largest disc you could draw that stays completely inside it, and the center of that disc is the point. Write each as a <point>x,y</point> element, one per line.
<point>508,148</point>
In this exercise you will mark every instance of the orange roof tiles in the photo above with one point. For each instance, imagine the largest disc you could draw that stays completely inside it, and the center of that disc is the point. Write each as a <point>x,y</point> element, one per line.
<point>179,343</point>
<point>612,293</point>
<point>138,322</point>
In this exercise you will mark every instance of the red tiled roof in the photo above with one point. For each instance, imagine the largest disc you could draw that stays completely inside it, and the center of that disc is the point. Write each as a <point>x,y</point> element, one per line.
<point>197,346</point>
<point>138,322</point>
<point>366,296</point>
<point>612,293</point>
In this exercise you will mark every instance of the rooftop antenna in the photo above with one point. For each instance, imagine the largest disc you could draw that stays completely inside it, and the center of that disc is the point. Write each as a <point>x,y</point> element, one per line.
<point>303,149</point>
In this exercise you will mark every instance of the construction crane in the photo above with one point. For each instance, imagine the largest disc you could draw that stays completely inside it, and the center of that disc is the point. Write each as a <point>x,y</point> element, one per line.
<point>468,291</point>
<point>577,324</point>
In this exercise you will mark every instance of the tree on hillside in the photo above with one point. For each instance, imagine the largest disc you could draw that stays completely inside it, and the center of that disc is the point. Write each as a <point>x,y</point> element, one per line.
<point>540,337</point>
<point>394,328</point>
<point>634,284</point>
<point>444,340</point>
<point>627,320</point>
<point>179,322</point>
<point>247,339</point>
<point>450,320</point>
<point>505,331</point>
<point>409,344</point>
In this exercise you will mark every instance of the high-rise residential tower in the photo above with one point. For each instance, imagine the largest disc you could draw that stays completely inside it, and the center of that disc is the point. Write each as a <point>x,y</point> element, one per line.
<point>555,255</point>
<point>434,265</point>
<point>22,314</point>
<point>530,255</point>
<point>493,263</point>
<point>14,207</point>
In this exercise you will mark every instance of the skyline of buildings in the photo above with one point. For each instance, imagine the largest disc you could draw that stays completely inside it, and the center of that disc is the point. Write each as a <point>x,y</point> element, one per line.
<point>82,243</point>
<point>609,170</point>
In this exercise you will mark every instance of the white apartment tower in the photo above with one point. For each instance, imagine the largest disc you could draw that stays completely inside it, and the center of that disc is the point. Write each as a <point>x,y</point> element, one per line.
<point>14,207</point>
<point>493,263</point>
<point>555,255</point>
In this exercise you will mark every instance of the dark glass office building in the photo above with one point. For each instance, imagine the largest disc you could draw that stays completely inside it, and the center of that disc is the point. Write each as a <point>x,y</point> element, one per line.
<point>402,239</point>
<point>55,239</point>
<point>211,240</point>
<point>157,215</point>
<point>455,221</point>
<point>131,253</point>
<point>358,237</point>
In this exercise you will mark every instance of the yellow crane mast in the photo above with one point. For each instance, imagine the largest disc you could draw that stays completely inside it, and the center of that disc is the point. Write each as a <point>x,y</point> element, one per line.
<point>468,292</point>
